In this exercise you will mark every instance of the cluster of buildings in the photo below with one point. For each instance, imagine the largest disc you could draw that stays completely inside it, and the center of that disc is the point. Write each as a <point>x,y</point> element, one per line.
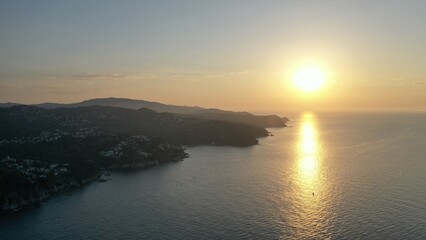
<point>34,168</point>
<point>117,151</point>
<point>50,136</point>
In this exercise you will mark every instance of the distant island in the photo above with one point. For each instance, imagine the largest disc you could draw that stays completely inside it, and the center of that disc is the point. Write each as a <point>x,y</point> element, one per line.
<point>49,148</point>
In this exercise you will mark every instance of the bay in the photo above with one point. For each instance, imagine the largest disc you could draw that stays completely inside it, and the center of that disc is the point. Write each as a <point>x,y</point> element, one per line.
<point>328,176</point>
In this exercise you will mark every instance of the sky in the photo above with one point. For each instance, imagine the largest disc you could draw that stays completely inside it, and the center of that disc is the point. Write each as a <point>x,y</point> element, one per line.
<point>230,54</point>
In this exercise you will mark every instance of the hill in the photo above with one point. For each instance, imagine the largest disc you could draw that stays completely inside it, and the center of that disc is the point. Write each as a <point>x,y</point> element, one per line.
<point>45,151</point>
<point>25,121</point>
<point>124,103</point>
<point>199,112</point>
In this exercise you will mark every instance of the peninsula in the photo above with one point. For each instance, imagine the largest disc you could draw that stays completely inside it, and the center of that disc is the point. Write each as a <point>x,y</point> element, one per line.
<point>47,149</point>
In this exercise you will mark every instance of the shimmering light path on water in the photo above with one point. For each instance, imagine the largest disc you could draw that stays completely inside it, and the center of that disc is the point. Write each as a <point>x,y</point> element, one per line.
<point>310,196</point>
<point>329,176</point>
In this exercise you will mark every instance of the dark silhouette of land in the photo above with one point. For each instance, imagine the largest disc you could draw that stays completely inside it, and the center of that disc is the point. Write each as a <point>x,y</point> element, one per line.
<point>59,147</point>
<point>199,112</point>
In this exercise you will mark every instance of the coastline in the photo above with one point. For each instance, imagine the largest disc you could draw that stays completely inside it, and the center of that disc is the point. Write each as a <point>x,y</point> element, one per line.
<point>41,160</point>
<point>15,203</point>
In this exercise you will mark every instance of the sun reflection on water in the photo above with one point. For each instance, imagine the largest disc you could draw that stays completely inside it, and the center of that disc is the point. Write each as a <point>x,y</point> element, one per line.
<point>308,149</point>
<point>310,209</point>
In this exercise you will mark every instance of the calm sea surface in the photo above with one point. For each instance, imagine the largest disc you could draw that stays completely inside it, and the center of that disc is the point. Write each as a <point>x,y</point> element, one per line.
<point>330,176</point>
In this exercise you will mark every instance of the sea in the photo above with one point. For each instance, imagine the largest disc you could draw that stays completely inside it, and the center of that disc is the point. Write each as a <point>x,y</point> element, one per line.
<point>341,175</point>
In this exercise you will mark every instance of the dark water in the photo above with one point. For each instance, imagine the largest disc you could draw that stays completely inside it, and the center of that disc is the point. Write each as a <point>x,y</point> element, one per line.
<point>330,176</point>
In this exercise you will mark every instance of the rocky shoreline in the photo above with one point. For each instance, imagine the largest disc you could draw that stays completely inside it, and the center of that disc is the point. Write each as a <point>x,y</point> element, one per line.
<point>26,183</point>
<point>15,202</point>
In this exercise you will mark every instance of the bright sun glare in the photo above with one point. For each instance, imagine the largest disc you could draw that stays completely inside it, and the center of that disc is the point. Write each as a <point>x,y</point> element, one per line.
<point>309,79</point>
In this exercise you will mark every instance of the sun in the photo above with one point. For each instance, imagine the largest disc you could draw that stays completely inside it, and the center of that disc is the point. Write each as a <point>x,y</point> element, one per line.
<point>309,78</point>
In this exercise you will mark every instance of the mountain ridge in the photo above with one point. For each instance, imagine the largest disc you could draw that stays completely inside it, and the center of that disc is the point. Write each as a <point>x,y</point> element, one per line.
<point>266,121</point>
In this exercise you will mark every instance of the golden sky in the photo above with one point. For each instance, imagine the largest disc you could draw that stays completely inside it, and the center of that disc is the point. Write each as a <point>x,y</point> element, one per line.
<point>239,55</point>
